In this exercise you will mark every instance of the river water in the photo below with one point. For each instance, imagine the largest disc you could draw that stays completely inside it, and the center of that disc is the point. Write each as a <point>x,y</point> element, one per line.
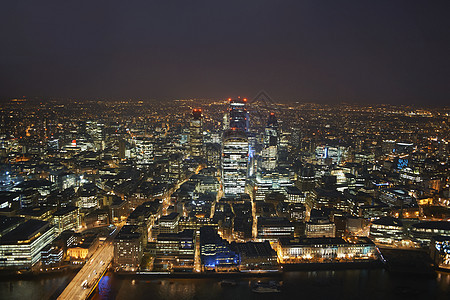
<point>311,285</point>
<point>339,284</point>
<point>41,287</point>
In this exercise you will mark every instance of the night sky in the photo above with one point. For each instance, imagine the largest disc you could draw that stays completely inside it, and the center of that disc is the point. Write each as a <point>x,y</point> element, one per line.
<point>359,51</point>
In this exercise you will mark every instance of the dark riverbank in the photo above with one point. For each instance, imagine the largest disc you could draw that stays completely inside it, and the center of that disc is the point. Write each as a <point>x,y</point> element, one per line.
<point>30,275</point>
<point>248,274</point>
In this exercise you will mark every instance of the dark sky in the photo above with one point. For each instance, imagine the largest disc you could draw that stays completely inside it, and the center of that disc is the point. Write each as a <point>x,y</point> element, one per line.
<point>316,51</point>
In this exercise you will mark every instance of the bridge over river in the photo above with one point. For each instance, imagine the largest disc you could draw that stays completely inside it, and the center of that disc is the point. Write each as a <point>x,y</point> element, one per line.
<point>88,277</point>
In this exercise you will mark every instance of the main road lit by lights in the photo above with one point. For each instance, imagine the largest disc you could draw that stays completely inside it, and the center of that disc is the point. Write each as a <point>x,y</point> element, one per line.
<point>86,279</point>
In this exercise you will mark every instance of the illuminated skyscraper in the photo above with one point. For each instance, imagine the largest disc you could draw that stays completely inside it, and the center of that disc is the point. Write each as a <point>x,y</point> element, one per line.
<point>234,162</point>
<point>269,152</point>
<point>195,133</point>
<point>239,117</point>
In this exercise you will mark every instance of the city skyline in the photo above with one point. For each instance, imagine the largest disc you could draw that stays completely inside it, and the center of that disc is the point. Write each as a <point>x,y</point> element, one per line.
<point>223,150</point>
<point>232,188</point>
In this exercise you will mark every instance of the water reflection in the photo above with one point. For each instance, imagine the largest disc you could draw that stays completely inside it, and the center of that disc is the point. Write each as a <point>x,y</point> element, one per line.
<point>345,284</point>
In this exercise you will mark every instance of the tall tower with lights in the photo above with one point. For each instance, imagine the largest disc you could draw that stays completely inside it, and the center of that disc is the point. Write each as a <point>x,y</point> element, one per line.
<point>234,162</point>
<point>239,117</point>
<point>195,133</point>
<point>270,149</point>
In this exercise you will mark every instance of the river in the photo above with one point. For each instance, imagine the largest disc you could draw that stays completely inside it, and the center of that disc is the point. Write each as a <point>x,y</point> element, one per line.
<point>339,284</point>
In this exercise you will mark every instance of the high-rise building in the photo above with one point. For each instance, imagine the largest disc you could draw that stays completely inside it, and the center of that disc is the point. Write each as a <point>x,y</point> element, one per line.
<point>144,151</point>
<point>96,130</point>
<point>239,117</point>
<point>234,162</point>
<point>226,121</point>
<point>269,152</point>
<point>195,133</point>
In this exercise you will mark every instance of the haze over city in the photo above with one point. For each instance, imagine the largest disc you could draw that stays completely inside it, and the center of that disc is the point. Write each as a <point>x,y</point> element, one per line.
<point>393,52</point>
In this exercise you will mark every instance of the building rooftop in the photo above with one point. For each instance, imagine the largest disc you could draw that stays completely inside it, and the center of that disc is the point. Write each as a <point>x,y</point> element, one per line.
<point>324,241</point>
<point>129,232</point>
<point>9,223</point>
<point>184,235</point>
<point>64,210</point>
<point>275,221</point>
<point>388,221</point>
<point>170,217</point>
<point>442,225</point>
<point>25,231</point>
<point>36,211</point>
<point>254,249</point>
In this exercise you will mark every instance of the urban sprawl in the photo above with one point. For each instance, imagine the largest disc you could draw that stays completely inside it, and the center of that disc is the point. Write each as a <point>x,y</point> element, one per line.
<point>233,185</point>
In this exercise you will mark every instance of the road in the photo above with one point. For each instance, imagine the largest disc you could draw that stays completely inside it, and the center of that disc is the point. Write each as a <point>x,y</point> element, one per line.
<point>92,271</point>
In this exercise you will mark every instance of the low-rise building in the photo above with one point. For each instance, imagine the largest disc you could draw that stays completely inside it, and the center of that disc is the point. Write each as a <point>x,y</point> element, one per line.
<point>83,248</point>
<point>272,229</point>
<point>294,195</point>
<point>423,232</point>
<point>51,256</point>
<point>215,252</point>
<point>42,213</point>
<point>176,250</point>
<point>66,218</point>
<point>440,251</point>
<point>169,223</point>
<point>326,250</point>
<point>128,248</point>
<point>320,228</point>
<point>386,230</point>
<point>21,247</point>
<point>256,256</point>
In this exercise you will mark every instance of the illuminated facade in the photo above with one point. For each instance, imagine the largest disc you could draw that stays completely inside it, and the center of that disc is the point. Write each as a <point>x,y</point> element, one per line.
<point>272,229</point>
<point>176,250</point>
<point>270,149</point>
<point>51,256</point>
<point>234,162</point>
<point>66,218</point>
<point>143,151</point>
<point>128,248</point>
<point>386,230</point>
<point>21,247</point>
<point>268,182</point>
<point>239,117</point>
<point>83,248</point>
<point>320,228</point>
<point>326,250</point>
<point>423,232</point>
<point>440,251</point>
<point>215,252</point>
<point>169,223</point>
<point>195,133</point>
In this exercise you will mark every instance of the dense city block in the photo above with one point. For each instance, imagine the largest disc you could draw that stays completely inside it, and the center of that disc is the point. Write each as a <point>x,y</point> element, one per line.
<point>209,186</point>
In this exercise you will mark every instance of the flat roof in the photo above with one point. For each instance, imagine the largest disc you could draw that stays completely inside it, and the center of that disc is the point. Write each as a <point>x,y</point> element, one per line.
<point>324,241</point>
<point>185,234</point>
<point>65,210</point>
<point>35,211</point>
<point>443,225</point>
<point>388,221</point>
<point>25,231</point>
